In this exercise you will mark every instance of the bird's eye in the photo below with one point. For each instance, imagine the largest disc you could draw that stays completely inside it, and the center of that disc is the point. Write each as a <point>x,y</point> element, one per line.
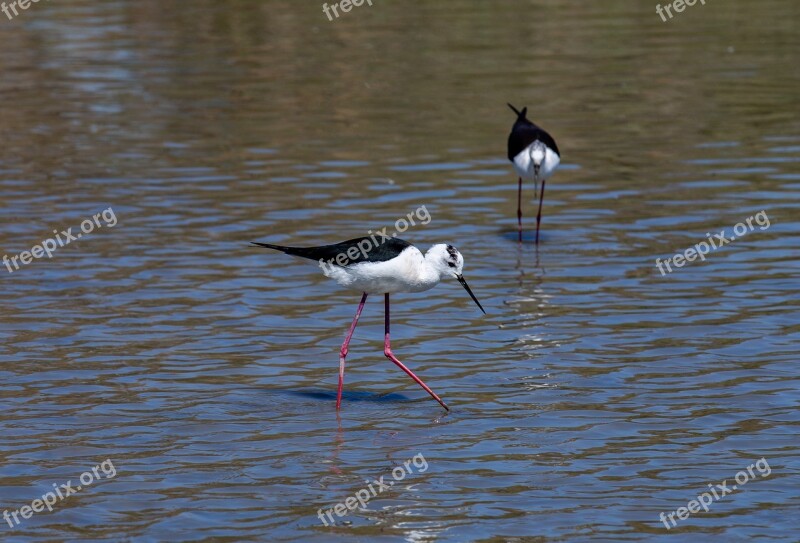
<point>451,264</point>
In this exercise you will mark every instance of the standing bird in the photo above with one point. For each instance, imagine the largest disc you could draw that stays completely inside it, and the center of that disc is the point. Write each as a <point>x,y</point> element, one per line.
<point>535,155</point>
<point>382,265</point>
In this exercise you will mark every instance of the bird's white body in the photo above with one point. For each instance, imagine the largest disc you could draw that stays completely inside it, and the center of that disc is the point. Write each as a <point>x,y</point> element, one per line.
<point>410,271</point>
<point>536,162</point>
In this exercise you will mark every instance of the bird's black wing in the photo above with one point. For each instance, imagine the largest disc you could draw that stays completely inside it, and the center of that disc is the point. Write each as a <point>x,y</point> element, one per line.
<point>523,134</point>
<point>367,249</point>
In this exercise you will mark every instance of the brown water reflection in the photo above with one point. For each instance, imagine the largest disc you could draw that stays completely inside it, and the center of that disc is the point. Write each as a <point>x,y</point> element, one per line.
<point>596,393</point>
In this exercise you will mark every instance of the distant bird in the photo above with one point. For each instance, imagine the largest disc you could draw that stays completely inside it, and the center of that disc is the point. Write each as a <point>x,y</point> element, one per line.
<point>382,265</point>
<point>535,156</point>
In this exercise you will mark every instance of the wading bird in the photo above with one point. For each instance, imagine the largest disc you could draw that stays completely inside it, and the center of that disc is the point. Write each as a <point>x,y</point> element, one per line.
<point>382,266</point>
<point>535,156</point>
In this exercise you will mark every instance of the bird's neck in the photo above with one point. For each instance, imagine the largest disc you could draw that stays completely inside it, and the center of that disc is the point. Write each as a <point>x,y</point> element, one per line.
<point>429,273</point>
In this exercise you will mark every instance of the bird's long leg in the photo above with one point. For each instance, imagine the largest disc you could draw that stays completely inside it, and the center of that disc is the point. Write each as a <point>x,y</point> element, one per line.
<point>343,351</point>
<point>539,215</point>
<point>519,209</point>
<point>387,350</point>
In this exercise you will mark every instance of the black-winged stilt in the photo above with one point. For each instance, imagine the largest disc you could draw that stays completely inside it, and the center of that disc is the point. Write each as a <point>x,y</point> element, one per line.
<point>382,266</point>
<point>535,155</point>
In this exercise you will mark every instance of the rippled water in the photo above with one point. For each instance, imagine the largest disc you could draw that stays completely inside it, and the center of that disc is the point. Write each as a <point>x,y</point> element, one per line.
<point>595,395</point>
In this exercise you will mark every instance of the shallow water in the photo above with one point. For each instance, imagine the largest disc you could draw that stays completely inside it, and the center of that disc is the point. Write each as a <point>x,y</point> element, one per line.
<point>595,394</point>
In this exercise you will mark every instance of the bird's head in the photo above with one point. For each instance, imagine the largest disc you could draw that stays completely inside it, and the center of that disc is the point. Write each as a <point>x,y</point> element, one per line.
<point>449,263</point>
<point>446,259</point>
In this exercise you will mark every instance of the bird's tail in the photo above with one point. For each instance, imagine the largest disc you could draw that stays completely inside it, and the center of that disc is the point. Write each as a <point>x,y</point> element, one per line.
<point>520,114</point>
<point>294,251</point>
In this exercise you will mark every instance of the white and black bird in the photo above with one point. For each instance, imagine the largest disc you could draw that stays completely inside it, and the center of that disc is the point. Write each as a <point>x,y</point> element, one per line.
<point>382,265</point>
<point>535,156</point>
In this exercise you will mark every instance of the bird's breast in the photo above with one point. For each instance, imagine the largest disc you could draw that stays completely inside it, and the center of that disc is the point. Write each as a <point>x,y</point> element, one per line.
<point>536,153</point>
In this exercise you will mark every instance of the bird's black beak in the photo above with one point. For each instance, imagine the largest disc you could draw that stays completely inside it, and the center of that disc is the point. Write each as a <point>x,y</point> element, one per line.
<point>466,287</point>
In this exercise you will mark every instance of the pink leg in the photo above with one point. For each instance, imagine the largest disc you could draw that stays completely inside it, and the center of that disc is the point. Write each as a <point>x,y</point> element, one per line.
<point>519,209</point>
<point>539,216</point>
<point>343,351</point>
<point>387,350</point>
